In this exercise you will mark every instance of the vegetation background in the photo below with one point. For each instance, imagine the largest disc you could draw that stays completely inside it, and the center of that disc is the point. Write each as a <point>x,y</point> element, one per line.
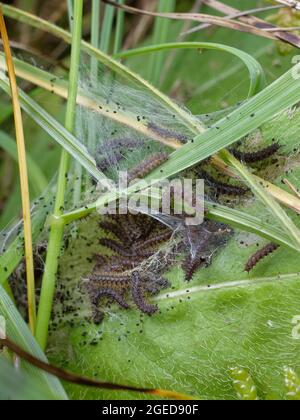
<point>234,342</point>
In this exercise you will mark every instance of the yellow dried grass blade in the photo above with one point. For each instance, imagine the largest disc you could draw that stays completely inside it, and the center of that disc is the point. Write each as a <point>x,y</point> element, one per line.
<point>23,175</point>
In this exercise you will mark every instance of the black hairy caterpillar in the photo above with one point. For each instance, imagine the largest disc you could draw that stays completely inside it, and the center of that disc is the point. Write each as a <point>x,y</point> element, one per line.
<point>115,247</point>
<point>253,157</point>
<point>191,265</point>
<point>123,143</point>
<point>120,264</point>
<point>96,295</point>
<point>100,259</point>
<point>113,277</point>
<point>146,167</point>
<point>260,255</point>
<point>116,230</point>
<point>203,239</point>
<point>104,281</point>
<point>166,133</point>
<point>221,187</point>
<point>155,240</point>
<point>138,295</point>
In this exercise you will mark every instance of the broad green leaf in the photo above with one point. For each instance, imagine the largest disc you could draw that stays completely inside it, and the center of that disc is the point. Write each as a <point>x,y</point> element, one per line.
<point>224,319</point>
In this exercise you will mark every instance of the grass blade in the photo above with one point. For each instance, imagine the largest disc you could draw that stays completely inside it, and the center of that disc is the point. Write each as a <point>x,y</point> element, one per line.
<point>107,28</point>
<point>56,228</point>
<point>256,73</point>
<point>161,31</point>
<point>18,331</point>
<point>57,132</point>
<point>36,22</point>
<point>263,194</point>
<point>119,29</point>
<point>25,197</point>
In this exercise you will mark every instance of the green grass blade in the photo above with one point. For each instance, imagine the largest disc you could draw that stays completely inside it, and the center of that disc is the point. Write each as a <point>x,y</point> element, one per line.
<point>18,332</point>
<point>256,72</point>
<point>56,228</point>
<point>70,12</point>
<point>277,97</point>
<point>13,253</point>
<point>57,132</point>
<point>246,222</point>
<point>16,385</point>
<point>262,194</point>
<point>161,32</point>
<point>95,33</point>
<point>106,32</point>
<point>36,22</point>
<point>119,29</point>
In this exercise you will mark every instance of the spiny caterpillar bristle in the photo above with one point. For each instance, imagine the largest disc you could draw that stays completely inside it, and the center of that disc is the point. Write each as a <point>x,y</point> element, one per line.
<point>260,155</point>
<point>149,164</point>
<point>260,255</point>
<point>167,133</point>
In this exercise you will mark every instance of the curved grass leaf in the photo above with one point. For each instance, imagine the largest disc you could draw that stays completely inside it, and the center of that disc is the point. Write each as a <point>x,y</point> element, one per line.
<point>256,73</point>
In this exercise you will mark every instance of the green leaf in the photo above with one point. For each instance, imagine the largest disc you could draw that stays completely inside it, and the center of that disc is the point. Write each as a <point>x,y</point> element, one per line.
<point>18,332</point>
<point>17,385</point>
<point>225,318</point>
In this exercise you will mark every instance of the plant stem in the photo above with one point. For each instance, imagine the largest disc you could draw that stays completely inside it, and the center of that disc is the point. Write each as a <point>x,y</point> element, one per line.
<point>57,227</point>
<point>70,13</point>
<point>23,176</point>
<point>95,41</point>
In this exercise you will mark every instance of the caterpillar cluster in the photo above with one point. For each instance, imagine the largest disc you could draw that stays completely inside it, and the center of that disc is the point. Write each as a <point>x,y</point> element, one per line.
<point>260,255</point>
<point>137,238</point>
